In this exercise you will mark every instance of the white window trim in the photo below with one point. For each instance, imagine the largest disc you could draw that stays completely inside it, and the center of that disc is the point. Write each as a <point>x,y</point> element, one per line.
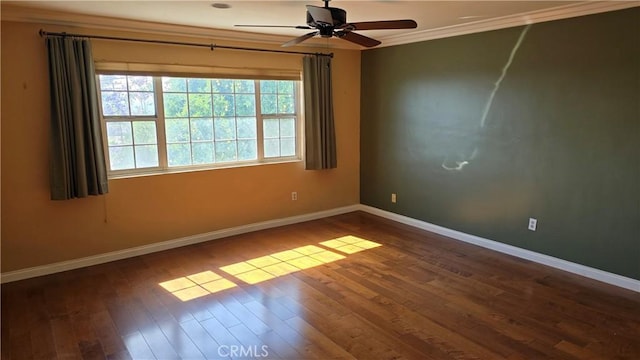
<point>246,74</point>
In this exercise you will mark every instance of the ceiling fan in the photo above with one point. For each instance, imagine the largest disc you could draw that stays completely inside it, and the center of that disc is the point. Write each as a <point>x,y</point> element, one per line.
<point>329,21</point>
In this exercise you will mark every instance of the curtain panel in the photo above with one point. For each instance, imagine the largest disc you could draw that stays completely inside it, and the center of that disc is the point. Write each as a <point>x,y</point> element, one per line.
<point>77,161</point>
<point>320,135</point>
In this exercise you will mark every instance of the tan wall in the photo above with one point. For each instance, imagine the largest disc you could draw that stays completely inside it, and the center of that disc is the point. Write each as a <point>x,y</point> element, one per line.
<point>143,210</point>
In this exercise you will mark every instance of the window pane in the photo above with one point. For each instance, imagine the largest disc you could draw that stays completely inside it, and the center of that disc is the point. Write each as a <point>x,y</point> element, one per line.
<point>142,103</point>
<point>113,82</point>
<point>201,129</point>
<point>269,104</point>
<point>287,127</point>
<point>146,156</point>
<point>177,130</point>
<point>199,85</point>
<point>144,132</point>
<point>247,149</point>
<point>174,84</point>
<point>285,87</point>
<point>271,128</point>
<point>268,86</point>
<point>225,128</point>
<point>285,104</point>
<point>178,154</point>
<point>140,83</point>
<point>222,85</point>
<point>115,103</point>
<point>202,152</point>
<point>245,105</point>
<point>271,147</point>
<point>200,105</point>
<point>175,105</point>
<point>223,105</point>
<point>287,147</point>
<point>246,128</point>
<point>121,157</point>
<point>245,86</point>
<point>119,133</point>
<point>225,151</point>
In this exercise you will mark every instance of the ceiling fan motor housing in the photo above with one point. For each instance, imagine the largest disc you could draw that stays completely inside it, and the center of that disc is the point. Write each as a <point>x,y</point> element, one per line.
<point>339,17</point>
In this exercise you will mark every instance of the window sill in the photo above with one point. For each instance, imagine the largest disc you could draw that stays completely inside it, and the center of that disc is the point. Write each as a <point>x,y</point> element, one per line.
<point>179,170</point>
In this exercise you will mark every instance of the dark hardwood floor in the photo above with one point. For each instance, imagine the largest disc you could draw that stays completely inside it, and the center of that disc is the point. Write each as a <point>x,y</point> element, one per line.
<point>381,291</point>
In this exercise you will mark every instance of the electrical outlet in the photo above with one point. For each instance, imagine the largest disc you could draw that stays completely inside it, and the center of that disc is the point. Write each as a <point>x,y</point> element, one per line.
<point>294,196</point>
<point>393,198</point>
<point>533,224</point>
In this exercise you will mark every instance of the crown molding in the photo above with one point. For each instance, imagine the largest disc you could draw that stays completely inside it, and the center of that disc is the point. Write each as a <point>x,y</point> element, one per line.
<point>20,13</point>
<point>532,17</point>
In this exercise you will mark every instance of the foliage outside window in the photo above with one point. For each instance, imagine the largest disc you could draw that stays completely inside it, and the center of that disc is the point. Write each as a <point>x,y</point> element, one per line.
<point>160,123</point>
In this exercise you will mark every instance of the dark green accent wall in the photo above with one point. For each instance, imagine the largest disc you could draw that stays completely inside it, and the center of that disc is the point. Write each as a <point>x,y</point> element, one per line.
<point>560,141</point>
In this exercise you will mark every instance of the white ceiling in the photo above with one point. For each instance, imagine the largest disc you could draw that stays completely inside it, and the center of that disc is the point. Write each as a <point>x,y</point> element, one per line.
<point>441,18</point>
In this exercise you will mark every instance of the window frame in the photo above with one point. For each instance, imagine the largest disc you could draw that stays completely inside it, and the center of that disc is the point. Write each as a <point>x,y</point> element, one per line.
<point>160,122</point>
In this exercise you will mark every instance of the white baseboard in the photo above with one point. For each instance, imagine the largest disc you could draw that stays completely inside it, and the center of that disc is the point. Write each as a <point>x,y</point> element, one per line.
<point>589,272</point>
<point>592,273</point>
<point>166,245</point>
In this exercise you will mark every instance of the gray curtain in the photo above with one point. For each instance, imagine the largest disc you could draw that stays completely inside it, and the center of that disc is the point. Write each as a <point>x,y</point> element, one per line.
<point>320,134</point>
<point>77,163</point>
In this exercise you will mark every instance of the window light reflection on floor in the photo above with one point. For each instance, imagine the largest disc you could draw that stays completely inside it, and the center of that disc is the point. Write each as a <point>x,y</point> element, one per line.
<point>267,267</point>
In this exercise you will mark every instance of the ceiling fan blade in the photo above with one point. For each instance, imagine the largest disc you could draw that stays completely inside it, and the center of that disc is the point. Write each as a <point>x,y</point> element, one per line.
<point>300,39</point>
<point>276,26</point>
<point>320,14</point>
<point>380,25</point>
<point>357,38</point>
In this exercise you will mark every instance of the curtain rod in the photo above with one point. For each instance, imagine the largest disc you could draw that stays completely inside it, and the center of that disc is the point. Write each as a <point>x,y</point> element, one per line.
<point>212,46</point>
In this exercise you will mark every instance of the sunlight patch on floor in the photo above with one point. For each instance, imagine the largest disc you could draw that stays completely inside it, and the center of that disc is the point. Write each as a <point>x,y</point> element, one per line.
<point>263,268</point>
<point>257,270</point>
<point>350,244</point>
<point>197,285</point>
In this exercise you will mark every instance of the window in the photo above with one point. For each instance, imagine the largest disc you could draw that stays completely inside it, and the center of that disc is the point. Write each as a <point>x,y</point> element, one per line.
<point>155,124</point>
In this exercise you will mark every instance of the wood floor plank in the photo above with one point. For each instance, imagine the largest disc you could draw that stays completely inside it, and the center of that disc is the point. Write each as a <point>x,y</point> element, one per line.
<point>273,305</point>
<point>137,346</point>
<point>414,295</point>
<point>151,332</point>
<point>245,316</point>
<point>220,334</point>
<point>275,338</point>
<point>66,346</point>
<point>201,338</point>
<point>42,337</point>
<point>18,347</point>
<point>158,343</point>
<point>251,344</point>
<point>179,340</point>
<point>389,315</point>
<point>324,346</point>
<point>301,344</point>
<point>220,313</point>
<point>105,330</point>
